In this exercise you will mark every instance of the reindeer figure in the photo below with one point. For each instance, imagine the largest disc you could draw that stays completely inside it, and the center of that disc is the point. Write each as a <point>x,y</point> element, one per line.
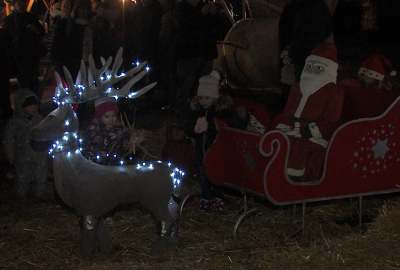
<point>94,189</point>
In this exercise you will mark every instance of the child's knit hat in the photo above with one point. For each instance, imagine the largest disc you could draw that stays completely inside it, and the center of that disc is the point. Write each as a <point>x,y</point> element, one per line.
<point>377,66</point>
<point>31,100</point>
<point>103,105</point>
<point>209,85</point>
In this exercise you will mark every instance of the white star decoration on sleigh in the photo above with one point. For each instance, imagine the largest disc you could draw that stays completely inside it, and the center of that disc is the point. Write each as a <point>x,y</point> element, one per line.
<point>375,151</point>
<point>380,149</point>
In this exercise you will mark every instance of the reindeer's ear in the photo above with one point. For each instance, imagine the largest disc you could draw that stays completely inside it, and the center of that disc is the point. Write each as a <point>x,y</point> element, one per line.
<point>58,81</point>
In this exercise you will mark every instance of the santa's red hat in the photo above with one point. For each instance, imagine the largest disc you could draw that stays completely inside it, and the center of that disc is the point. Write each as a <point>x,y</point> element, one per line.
<point>377,66</point>
<point>325,53</point>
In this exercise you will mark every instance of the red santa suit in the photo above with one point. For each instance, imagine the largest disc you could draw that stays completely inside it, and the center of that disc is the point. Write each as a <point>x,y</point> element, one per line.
<point>312,114</point>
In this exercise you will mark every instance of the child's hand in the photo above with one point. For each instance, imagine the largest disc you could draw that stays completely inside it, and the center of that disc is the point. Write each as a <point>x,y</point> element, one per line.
<point>11,160</point>
<point>201,125</point>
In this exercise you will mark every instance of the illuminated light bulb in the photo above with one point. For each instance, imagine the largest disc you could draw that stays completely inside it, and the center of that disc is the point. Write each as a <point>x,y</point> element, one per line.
<point>170,203</point>
<point>77,151</point>
<point>172,174</point>
<point>159,161</point>
<point>98,157</point>
<point>116,97</point>
<point>108,76</point>
<point>176,169</point>
<point>138,165</point>
<point>115,155</point>
<point>151,165</point>
<point>130,158</point>
<point>65,138</point>
<point>107,155</point>
<point>121,162</point>
<point>57,142</point>
<point>144,163</point>
<point>179,182</point>
<point>80,149</point>
<point>137,63</point>
<point>69,153</point>
<point>169,164</point>
<point>122,73</point>
<point>102,78</point>
<point>80,140</point>
<point>147,68</point>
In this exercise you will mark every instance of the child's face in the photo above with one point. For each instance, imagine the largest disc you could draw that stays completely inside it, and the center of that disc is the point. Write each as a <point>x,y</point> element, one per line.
<point>367,80</point>
<point>30,110</point>
<point>108,119</point>
<point>206,102</point>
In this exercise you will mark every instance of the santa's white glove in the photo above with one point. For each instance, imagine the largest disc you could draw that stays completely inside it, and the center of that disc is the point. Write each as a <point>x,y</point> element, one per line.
<point>315,131</point>
<point>283,127</point>
<point>201,125</point>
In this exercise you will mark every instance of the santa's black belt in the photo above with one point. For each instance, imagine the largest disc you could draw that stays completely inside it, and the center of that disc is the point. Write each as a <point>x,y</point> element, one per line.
<point>295,119</point>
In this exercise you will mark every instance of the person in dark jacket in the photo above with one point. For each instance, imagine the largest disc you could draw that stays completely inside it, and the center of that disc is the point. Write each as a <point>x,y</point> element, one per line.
<point>26,34</point>
<point>312,26</point>
<point>73,41</point>
<point>206,106</point>
<point>197,27</point>
<point>6,62</point>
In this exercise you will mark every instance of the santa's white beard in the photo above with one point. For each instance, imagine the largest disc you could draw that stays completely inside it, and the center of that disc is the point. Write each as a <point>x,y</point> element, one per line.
<point>311,82</point>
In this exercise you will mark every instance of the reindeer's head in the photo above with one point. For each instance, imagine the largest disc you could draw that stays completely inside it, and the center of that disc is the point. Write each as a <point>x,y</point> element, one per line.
<point>91,83</point>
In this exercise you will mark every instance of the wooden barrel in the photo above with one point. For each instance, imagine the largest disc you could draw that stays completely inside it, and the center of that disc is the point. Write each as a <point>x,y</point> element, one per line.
<point>251,54</point>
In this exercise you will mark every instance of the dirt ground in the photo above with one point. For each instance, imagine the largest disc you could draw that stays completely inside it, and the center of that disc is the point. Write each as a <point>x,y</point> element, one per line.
<point>44,235</point>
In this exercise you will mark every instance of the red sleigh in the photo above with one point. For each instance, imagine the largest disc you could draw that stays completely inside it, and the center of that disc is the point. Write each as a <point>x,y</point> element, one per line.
<point>363,156</point>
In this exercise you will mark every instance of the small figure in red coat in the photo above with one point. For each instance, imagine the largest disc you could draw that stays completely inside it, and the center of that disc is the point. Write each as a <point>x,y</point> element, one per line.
<point>312,114</point>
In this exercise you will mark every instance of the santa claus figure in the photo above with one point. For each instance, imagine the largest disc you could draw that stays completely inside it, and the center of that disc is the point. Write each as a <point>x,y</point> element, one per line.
<point>312,114</point>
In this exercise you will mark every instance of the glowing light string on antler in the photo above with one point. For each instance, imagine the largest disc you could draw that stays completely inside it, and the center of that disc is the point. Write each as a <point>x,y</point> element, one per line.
<point>100,81</point>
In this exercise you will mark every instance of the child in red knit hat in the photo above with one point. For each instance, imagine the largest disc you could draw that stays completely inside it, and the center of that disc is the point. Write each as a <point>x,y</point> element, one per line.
<point>105,138</point>
<point>105,135</point>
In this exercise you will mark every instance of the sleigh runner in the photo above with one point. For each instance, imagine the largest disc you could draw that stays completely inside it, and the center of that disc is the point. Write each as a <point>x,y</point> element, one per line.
<point>363,156</point>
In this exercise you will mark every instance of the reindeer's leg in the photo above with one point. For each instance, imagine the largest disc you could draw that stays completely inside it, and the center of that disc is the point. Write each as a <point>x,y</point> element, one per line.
<point>89,226</point>
<point>167,237</point>
<point>103,237</point>
<point>173,240</point>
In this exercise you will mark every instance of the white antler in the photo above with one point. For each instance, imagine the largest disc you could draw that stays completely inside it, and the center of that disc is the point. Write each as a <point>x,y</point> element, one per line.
<point>97,83</point>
